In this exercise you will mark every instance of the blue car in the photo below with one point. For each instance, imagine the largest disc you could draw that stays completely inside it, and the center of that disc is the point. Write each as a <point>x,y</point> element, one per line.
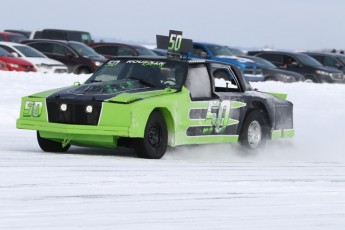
<point>250,70</point>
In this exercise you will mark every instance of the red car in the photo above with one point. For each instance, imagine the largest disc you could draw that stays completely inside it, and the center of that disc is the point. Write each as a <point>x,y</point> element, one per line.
<point>14,64</point>
<point>11,37</point>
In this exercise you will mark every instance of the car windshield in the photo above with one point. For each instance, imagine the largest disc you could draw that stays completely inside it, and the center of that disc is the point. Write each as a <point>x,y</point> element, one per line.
<point>27,51</point>
<point>307,60</point>
<point>85,51</point>
<point>148,73</point>
<point>145,52</point>
<point>4,53</point>
<point>342,58</point>
<point>16,38</point>
<point>220,51</point>
<point>262,62</point>
<point>235,51</point>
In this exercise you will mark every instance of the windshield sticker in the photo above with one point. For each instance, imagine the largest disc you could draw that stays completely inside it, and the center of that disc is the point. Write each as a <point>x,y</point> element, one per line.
<point>112,63</point>
<point>147,63</point>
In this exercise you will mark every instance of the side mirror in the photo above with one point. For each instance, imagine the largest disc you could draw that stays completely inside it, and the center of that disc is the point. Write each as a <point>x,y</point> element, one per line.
<point>69,55</point>
<point>15,54</point>
<point>295,64</point>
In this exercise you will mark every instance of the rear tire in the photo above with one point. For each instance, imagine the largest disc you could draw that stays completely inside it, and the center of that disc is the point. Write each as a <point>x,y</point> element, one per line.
<point>50,146</point>
<point>155,141</point>
<point>254,132</point>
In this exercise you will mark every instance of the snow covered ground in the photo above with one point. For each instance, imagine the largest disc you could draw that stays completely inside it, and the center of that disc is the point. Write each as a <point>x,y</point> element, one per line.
<point>294,184</point>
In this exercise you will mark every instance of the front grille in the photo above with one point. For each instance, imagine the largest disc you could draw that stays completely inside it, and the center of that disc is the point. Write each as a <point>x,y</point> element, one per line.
<point>28,68</point>
<point>75,112</point>
<point>337,76</point>
<point>251,70</point>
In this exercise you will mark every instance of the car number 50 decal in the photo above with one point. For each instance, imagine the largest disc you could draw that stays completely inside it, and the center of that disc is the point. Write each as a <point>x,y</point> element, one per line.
<point>175,40</point>
<point>32,109</point>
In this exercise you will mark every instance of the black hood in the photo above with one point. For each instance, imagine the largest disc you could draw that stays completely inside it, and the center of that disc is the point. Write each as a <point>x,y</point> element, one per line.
<point>100,91</point>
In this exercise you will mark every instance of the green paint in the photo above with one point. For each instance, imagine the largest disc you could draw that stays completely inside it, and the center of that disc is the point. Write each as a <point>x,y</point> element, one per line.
<point>237,104</point>
<point>275,134</point>
<point>278,95</point>
<point>129,97</point>
<point>288,133</point>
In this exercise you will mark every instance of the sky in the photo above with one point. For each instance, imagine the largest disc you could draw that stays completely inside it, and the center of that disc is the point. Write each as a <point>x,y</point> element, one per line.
<point>294,24</point>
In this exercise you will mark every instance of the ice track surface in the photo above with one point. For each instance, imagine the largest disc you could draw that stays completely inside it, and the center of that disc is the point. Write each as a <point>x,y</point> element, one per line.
<point>295,184</point>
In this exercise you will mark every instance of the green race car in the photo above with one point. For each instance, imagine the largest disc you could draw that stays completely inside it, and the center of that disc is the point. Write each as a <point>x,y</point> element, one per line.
<point>150,103</point>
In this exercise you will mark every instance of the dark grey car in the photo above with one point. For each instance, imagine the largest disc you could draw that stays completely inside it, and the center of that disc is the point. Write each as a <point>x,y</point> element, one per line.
<point>329,59</point>
<point>78,57</point>
<point>273,73</point>
<point>311,69</point>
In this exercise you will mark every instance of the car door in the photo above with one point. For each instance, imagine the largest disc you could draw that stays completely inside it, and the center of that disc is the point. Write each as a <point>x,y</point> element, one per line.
<point>208,114</point>
<point>233,100</point>
<point>66,55</point>
<point>290,63</point>
<point>198,127</point>
<point>276,59</point>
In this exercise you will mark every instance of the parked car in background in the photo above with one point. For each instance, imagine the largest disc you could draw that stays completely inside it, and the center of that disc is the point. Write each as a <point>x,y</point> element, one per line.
<point>311,69</point>
<point>23,32</point>
<point>35,34</point>
<point>329,59</point>
<point>68,35</point>
<point>3,66</point>
<point>42,63</point>
<point>109,50</point>
<point>15,64</point>
<point>160,52</point>
<point>273,73</point>
<point>250,69</point>
<point>78,57</point>
<point>11,37</point>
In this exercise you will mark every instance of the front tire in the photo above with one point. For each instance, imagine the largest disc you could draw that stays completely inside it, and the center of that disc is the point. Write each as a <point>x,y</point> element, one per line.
<point>310,79</point>
<point>155,141</point>
<point>50,146</point>
<point>270,79</point>
<point>84,71</point>
<point>254,132</point>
